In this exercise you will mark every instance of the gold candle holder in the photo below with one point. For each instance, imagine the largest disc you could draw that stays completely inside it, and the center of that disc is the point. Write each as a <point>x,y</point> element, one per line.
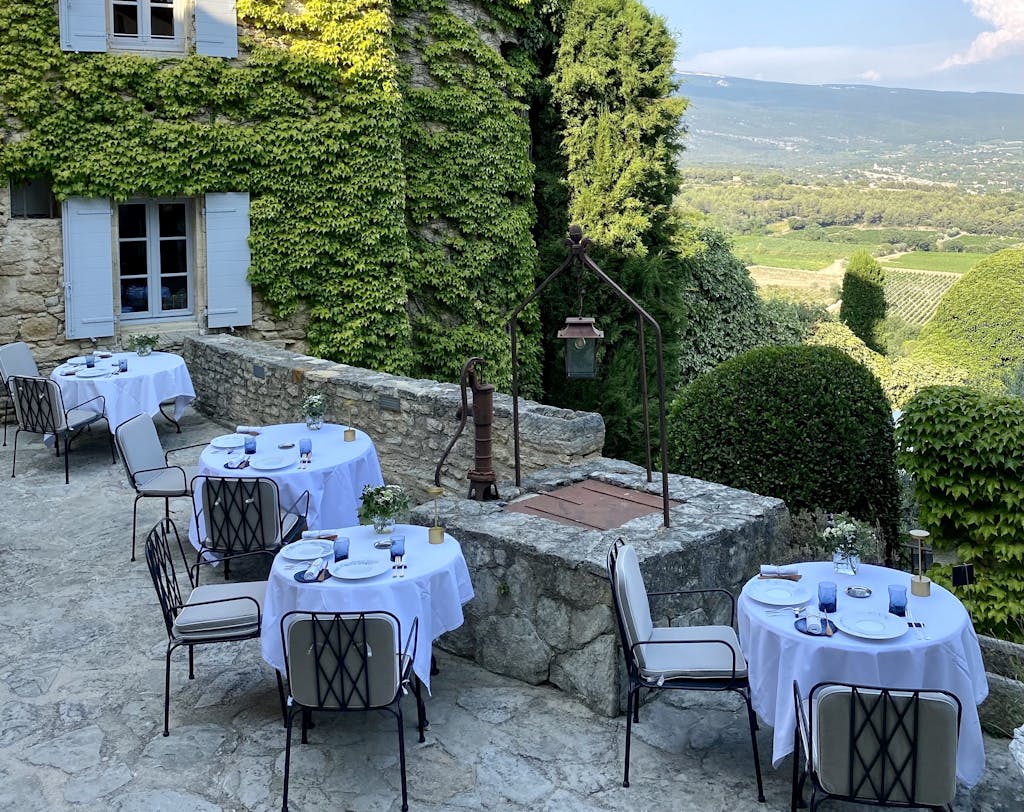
<point>435,533</point>
<point>350,433</point>
<point>920,584</point>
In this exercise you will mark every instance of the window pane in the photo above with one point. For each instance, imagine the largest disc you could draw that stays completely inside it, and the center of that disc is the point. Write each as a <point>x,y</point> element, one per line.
<point>172,219</point>
<point>134,296</point>
<point>173,257</point>
<point>131,220</point>
<point>126,19</point>
<point>174,293</point>
<point>133,258</point>
<point>161,21</point>
<point>33,198</point>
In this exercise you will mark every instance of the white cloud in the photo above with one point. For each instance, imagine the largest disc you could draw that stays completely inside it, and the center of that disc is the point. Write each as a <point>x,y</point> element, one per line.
<point>870,76</point>
<point>1007,17</point>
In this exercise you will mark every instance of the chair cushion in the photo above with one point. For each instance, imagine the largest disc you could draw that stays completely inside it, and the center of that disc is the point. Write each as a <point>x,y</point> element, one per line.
<point>165,482</point>
<point>140,444</point>
<point>632,597</point>
<point>292,526</point>
<point>77,418</point>
<point>936,744</point>
<point>693,660</point>
<point>232,617</point>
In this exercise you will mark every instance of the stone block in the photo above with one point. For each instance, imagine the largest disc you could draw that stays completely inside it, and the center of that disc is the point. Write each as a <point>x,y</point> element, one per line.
<point>1003,710</point>
<point>39,328</point>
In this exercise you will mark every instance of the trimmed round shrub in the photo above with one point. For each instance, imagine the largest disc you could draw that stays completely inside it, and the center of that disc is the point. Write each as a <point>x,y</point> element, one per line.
<point>863,306</point>
<point>808,425</point>
<point>979,323</point>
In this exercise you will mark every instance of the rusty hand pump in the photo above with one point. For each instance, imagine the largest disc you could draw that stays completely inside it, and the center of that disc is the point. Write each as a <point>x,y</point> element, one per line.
<point>482,480</point>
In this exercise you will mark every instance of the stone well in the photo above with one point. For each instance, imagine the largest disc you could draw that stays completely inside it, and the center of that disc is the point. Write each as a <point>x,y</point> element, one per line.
<point>543,610</point>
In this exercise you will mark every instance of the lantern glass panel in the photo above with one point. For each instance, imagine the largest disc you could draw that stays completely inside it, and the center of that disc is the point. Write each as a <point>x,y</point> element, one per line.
<point>580,358</point>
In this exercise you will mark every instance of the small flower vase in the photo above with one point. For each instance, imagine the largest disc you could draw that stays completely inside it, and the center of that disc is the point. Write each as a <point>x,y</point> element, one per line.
<point>314,421</point>
<point>845,564</point>
<point>144,349</point>
<point>383,524</point>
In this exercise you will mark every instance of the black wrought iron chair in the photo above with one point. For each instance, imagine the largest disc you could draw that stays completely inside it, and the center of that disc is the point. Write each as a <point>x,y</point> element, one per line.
<point>148,465</point>
<point>216,613</point>
<point>348,662</point>
<point>881,746</point>
<point>39,408</point>
<point>241,515</point>
<point>15,359</point>
<point>692,658</point>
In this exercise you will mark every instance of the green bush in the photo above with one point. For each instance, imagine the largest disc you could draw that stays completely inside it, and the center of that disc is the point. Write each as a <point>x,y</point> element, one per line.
<point>863,305</point>
<point>979,324</point>
<point>808,425</point>
<point>965,448</point>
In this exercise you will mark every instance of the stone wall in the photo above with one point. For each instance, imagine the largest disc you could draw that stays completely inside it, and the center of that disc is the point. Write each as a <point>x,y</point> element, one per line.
<point>542,609</point>
<point>1004,709</point>
<point>411,421</point>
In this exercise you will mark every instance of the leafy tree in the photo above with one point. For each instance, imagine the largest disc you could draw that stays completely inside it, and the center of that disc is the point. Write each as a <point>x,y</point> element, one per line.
<point>863,305</point>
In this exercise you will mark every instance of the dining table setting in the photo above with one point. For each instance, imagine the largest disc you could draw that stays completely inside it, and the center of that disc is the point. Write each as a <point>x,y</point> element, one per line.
<point>809,623</point>
<point>356,569</point>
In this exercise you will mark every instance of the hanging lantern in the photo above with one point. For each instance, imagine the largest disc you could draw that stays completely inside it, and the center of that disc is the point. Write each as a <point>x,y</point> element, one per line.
<point>580,347</point>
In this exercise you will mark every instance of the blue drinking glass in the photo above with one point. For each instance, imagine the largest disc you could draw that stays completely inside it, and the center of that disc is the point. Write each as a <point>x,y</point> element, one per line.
<point>340,548</point>
<point>305,446</point>
<point>397,546</point>
<point>122,364</point>
<point>90,360</point>
<point>827,596</point>
<point>250,445</point>
<point>898,600</point>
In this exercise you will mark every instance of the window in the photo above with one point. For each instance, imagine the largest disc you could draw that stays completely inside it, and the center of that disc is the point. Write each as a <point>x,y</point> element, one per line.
<point>154,258</point>
<point>147,24</point>
<point>33,199</point>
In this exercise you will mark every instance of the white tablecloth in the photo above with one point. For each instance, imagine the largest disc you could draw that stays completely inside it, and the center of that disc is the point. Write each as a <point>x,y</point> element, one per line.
<point>951,660</point>
<point>335,476</point>
<point>434,589</point>
<point>148,382</point>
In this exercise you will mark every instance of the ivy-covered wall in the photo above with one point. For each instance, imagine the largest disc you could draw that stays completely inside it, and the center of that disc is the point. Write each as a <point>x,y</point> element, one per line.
<point>382,143</point>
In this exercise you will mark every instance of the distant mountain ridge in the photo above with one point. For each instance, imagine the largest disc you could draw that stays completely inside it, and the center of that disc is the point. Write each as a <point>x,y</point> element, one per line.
<point>976,139</point>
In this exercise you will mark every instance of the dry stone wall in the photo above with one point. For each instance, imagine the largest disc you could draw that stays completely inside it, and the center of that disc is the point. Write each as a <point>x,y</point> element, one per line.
<point>411,421</point>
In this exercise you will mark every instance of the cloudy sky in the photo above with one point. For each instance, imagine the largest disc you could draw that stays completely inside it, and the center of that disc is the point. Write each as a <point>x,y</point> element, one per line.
<point>970,45</point>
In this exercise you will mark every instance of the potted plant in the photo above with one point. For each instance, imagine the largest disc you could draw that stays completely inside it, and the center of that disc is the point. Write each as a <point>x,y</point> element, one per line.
<point>381,505</point>
<point>850,540</point>
<point>314,407</point>
<point>142,343</point>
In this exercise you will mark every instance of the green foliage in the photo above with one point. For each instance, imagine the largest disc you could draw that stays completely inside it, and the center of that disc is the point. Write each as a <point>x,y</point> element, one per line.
<point>808,425</point>
<point>979,324</point>
<point>863,295</point>
<point>965,449</point>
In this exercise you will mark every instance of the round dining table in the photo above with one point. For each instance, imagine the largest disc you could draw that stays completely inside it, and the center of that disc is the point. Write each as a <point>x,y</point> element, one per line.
<point>942,653</point>
<point>149,381</point>
<point>433,587</point>
<point>335,475</point>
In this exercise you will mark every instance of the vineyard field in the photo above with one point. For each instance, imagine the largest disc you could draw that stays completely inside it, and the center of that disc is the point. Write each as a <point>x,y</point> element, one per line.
<point>914,295</point>
<point>940,261</point>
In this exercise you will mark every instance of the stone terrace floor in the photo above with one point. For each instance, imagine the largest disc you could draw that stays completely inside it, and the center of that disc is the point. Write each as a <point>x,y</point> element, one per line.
<point>81,683</point>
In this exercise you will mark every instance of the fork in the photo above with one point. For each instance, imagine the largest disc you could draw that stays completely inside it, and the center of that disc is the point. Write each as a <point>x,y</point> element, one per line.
<point>921,633</point>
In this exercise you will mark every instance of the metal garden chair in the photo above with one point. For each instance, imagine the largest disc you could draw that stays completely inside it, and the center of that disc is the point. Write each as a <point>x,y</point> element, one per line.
<point>15,359</point>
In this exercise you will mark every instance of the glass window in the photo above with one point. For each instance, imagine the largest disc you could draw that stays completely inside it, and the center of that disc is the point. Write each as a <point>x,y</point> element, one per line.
<point>154,258</point>
<point>33,199</point>
<point>147,24</point>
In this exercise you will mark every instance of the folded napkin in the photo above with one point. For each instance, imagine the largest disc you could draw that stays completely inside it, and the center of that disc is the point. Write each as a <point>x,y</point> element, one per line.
<point>771,571</point>
<point>314,569</point>
<point>253,430</point>
<point>320,534</point>
<point>814,624</point>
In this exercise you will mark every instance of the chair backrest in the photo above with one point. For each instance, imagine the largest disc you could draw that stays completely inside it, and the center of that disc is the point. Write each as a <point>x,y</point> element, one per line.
<point>629,596</point>
<point>16,359</point>
<point>161,569</point>
<point>37,404</point>
<point>239,514</point>
<point>885,745</point>
<point>139,445</point>
<point>342,661</point>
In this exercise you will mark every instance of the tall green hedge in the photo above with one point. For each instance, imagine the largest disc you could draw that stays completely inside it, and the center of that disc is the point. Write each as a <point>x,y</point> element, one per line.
<point>863,306</point>
<point>979,323</point>
<point>808,425</point>
<point>965,449</point>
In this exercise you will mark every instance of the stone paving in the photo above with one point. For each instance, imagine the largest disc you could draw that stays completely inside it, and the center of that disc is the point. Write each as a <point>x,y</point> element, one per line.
<point>81,684</point>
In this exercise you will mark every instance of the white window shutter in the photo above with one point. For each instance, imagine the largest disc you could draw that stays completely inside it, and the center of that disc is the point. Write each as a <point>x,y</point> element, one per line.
<point>83,25</point>
<point>228,295</point>
<point>216,28</point>
<point>88,268</point>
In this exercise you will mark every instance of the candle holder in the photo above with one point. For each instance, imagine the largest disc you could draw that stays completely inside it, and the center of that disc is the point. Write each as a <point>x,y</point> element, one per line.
<point>436,533</point>
<point>920,584</point>
<point>350,433</point>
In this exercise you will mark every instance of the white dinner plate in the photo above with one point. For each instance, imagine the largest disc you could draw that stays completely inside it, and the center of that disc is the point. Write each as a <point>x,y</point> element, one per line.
<point>228,441</point>
<point>777,592</point>
<point>77,361</point>
<point>871,625</point>
<point>307,550</point>
<point>353,569</point>
<point>272,462</point>
<point>95,372</point>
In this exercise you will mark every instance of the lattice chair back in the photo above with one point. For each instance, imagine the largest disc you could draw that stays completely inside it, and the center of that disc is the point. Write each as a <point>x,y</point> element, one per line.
<point>140,448</point>
<point>161,569</point>
<point>632,606</point>
<point>886,746</point>
<point>342,661</point>
<point>37,404</point>
<point>240,514</point>
<point>16,359</point>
